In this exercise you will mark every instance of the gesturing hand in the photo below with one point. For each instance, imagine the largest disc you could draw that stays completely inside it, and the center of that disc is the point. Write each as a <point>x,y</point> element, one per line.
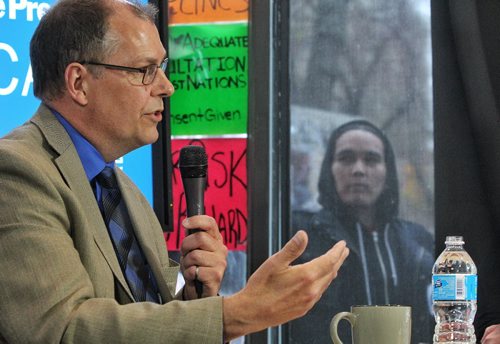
<point>278,291</point>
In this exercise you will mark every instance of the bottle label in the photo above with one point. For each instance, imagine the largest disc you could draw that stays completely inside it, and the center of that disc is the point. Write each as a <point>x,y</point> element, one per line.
<point>454,287</point>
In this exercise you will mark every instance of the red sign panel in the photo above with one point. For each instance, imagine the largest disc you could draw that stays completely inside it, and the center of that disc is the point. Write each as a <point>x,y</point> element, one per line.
<point>226,192</point>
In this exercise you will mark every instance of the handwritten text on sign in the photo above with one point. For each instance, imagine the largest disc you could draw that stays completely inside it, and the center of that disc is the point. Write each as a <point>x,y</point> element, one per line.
<point>209,70</point>
<point>226,193</point>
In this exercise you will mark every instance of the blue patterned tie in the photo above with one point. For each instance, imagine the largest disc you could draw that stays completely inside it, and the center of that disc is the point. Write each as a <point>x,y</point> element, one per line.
<point>132,261</point>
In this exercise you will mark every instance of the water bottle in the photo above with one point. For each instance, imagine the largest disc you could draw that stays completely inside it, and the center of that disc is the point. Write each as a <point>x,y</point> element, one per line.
<point>454,279</point>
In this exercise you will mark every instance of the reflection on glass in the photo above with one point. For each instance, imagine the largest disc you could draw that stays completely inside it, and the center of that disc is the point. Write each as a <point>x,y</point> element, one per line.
<point>362,153</point>
<point>391,258</point>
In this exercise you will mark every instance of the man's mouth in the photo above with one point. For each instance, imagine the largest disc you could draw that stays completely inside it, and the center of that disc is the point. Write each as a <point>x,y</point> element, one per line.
<point>157,115</point>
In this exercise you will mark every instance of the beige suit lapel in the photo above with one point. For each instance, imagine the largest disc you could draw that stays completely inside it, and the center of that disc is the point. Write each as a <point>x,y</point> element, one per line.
<point>150,237</point>
<point>72,171</point>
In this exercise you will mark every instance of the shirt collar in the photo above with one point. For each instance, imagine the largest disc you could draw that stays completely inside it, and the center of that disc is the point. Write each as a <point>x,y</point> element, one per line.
<point>92,161</point>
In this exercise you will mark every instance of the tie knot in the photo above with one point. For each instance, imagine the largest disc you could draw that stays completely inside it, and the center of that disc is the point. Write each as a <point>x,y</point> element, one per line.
<point>107,178</point>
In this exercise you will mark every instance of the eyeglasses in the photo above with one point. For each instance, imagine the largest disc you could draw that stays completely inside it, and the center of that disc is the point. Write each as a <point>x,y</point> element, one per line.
<point>148,72</point>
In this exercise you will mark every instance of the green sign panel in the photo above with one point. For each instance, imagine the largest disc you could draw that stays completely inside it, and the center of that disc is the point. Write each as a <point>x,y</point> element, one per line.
<point>209,70</point>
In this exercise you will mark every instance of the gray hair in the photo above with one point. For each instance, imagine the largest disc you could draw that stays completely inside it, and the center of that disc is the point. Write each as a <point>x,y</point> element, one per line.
<point>75,31</point>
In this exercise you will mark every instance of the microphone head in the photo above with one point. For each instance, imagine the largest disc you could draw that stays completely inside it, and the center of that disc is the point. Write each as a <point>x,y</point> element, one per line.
<point>193,162</point>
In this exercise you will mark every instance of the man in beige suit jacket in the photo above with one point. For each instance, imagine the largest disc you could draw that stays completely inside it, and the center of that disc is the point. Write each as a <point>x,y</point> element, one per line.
<point>60,277</point>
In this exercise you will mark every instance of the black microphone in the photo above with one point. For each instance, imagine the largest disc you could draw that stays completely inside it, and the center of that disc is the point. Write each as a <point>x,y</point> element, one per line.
<point>193,166</point>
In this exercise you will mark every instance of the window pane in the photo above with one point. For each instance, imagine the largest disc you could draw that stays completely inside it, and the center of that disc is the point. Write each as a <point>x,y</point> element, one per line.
<point>368,183</point>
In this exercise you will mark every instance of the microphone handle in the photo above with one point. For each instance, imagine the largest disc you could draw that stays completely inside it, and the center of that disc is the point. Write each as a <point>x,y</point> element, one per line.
<point>194,190</point>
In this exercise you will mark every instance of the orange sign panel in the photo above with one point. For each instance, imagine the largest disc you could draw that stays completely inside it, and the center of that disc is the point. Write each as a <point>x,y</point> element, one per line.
<point>207,11</point>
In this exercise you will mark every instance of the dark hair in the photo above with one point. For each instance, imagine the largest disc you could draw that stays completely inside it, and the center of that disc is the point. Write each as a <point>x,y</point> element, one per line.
<point>73,31</point>
<point>387,205</point>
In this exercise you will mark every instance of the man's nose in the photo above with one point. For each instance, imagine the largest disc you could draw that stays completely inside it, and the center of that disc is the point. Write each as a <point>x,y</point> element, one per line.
<point>162,85</point>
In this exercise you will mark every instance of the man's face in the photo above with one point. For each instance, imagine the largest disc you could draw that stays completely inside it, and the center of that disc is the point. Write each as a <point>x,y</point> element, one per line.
<point>359,168</point>
<point>123,113</point>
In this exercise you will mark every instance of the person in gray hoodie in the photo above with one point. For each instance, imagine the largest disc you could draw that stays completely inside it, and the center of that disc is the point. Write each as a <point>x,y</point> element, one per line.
<point>391,259</point>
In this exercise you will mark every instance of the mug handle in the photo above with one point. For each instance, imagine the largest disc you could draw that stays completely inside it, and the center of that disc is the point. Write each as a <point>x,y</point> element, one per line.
<point>335,322</point>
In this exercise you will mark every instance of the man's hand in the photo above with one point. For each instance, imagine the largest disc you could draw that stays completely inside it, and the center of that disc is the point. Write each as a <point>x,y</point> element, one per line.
<point>206,251</point>
<point>278,291</point>
<point>491,335</point>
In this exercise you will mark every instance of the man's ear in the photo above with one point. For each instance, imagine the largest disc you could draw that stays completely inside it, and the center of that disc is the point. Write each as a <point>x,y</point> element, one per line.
<point>76,76</point>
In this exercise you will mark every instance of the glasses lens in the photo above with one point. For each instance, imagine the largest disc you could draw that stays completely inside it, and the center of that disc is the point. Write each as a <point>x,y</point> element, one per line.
<point>164,65</point>
<point>149,74</point>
